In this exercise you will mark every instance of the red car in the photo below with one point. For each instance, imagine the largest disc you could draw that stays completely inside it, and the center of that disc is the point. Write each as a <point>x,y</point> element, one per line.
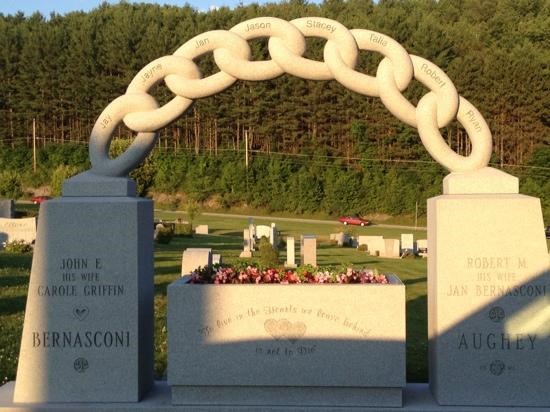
<point>39,199</point>
<point>353,220</point>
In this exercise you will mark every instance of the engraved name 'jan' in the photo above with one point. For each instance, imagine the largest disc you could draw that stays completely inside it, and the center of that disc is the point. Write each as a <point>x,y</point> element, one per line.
<point>318,24</point>
<point>496,341</point>
<point>84,339</point>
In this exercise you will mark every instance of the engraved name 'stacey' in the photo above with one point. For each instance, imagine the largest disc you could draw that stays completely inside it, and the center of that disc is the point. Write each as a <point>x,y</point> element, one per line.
<point>496,341</point>
<point>84,339</point>
<point>319,24</point>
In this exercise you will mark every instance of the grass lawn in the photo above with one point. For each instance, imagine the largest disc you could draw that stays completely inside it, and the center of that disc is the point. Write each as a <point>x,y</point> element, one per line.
<point>226,238</point>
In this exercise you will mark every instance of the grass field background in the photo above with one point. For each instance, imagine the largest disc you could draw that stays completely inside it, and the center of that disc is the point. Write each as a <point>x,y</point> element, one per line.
<point>225,237</point>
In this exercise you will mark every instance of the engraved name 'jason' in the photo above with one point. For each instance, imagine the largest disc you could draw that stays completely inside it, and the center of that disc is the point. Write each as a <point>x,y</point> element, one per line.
<point>256,26</point>
<point>496,341</point>
<point>320,25</point>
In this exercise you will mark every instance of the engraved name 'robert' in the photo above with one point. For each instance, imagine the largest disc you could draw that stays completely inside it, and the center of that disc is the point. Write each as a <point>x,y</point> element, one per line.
<point>84,339</point>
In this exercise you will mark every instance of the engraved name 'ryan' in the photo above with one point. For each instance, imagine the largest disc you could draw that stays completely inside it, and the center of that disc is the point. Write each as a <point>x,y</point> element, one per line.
<point>84,339</point>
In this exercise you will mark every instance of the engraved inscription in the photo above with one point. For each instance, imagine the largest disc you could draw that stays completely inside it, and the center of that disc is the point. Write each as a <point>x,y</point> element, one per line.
<point>80,365</point>
<point>83,339</point>
<point>320,25</point>
<point>378,39</point>
<point>105,121</point>
<point>201,42</point>
<point>150,72</point>
<point>472,119</point>
<point>433,74</point>
<point>257,25</point>
<point>496,341</point>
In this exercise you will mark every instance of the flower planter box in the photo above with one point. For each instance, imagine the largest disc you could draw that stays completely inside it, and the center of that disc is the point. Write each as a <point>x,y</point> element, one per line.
<point>305,344</point>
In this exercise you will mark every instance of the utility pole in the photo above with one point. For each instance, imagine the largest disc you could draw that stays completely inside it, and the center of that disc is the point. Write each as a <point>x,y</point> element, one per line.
<point>416,216</point>
<point>34,144</point>
<point>246,148</point>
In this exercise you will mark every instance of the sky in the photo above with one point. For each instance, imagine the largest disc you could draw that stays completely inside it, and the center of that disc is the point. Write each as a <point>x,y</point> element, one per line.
<point>65,6</point>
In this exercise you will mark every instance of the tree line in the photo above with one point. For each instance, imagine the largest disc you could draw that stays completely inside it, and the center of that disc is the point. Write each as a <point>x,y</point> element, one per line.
<point>60,71</point>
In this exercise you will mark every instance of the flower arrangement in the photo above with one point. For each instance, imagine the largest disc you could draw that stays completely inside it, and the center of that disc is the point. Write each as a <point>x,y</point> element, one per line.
<point>307,274</point>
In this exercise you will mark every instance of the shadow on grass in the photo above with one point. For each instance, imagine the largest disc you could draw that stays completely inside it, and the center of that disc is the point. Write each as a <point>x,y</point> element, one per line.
<point>417,339</point>
<point>7,281</point>
<point>12,304</point>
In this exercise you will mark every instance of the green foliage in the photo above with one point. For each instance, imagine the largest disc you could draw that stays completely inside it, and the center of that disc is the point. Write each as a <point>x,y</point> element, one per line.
<point>164,234</point>
<point>268,255</point>
<point>59,175</point>
<point>313,146</point>
<point>184,229</point>
<point>10,184</point>
<point>18,246</point>
<point>192,210</point>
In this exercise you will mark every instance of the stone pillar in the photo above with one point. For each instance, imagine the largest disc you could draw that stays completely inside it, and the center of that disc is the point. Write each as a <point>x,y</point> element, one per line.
<point>88,330</point>
<point>488,277</point>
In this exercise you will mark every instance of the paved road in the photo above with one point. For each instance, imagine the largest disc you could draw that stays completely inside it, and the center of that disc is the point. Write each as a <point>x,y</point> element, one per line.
<point>290,219</point>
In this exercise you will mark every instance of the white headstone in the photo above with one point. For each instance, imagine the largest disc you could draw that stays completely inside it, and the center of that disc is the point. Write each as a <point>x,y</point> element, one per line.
<point>290,252</point>
<point>193,258</point>
<point>18,229</point>
<point>201,229</point>
<point>309,250</point>
<point>375,244</point>
<point>407,242</point>
<point>422,247</point>
<point>217,259</point>
<point>391,249</point>
<point>263,231</point>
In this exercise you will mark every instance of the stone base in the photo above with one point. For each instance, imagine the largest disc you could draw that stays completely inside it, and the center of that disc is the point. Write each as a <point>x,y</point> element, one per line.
<point>287,396</point>
<point>417,398</point>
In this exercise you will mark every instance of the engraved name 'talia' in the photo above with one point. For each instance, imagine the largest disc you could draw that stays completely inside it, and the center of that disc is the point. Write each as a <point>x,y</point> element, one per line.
<point>80,263</point>
<point>376,38</point>
<point>496,341</point>
<point>257,26</point>
<point>84,339</point>
<point>318,24</point>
